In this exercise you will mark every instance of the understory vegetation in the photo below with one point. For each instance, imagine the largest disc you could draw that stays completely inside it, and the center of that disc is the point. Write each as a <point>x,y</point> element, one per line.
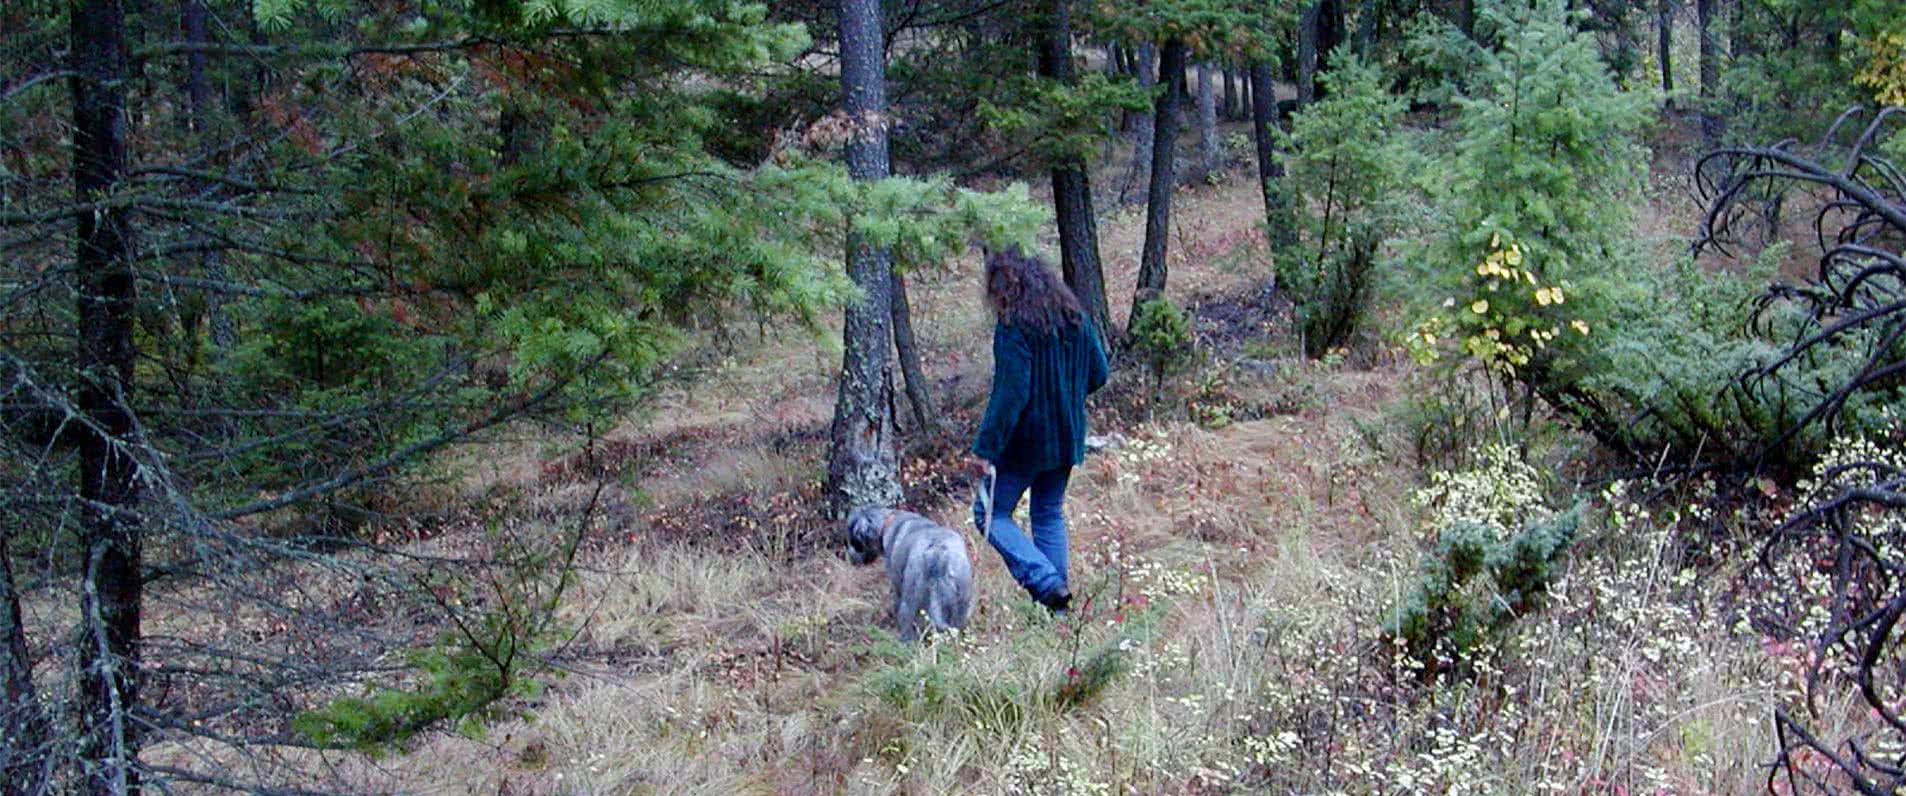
<point>461,398</point>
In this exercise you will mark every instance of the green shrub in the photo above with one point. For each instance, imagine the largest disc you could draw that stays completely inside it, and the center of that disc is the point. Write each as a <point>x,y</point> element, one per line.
<point>1345,172</point>
<point>1788,50</point>
<point>1161,336</point>
<point>1497,549</point>
<point>1539,286</point>
<point>922,683</point>
<point>1474,584</point>
<point>491,654</point>
<point>456,681</point>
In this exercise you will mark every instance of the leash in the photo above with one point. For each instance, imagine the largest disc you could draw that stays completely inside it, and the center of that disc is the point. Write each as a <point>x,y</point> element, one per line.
<point>986,484</point>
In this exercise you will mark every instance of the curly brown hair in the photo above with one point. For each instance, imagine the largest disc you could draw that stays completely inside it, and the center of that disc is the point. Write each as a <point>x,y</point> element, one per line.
<point>1023,291</point>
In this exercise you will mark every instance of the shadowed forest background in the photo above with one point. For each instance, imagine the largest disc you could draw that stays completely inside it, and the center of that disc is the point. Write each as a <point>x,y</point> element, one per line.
<point>462,397</point>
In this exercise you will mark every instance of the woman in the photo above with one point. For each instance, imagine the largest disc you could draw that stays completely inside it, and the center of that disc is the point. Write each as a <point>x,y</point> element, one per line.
<point>1046,358</point>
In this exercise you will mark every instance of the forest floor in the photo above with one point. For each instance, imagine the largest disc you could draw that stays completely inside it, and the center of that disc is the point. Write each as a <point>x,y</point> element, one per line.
<point>1233,556</point>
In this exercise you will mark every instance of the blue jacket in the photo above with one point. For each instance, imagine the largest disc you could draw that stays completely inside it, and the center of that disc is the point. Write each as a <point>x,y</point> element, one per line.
<point>1035,418</point>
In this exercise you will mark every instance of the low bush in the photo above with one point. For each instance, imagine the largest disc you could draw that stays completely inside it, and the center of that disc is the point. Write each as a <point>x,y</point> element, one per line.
<point>1497,550</point>
<point>1161,336</point>
<point>1345,174</point>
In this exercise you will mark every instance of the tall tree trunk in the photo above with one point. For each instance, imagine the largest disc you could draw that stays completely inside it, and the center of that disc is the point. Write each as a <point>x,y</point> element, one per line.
<point>26,755</point>
<point>1119,62</point>
<point>1332,30</point>
<point>1210,156</point>
<point>1246,94</point>
<point>1270,170</point>
<point>1142,134</point>
<point>1307,54</point>
<point>1229,107</point>
<point>1710,73</point>
<point>862,469</point>
<point>197,88</point>
<point>1151,267</point>
<point>110,590</point>
<point>198,96</point>
<point>1664,39</point>
<point>1466,17</point>
<point>1071,185</point>
<point>247,99</point>
<point>1367,18</point>
<point>1319,31</point>
<point>919,391</point>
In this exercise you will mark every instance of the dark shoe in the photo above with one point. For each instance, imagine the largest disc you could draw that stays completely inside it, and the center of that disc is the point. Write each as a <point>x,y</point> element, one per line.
<point>1057,602</point>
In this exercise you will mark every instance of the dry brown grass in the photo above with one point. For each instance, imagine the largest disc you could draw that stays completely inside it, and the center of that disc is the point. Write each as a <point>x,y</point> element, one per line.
<point>723,648</point>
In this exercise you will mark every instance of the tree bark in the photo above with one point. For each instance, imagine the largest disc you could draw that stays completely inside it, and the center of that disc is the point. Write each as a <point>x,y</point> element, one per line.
<point>1230,107</point>
<point>1120,62</point>
<point>1367,19</point>
<point>197,87</point>
<point>1270,170</point>
<point>1319,30</point>
<point>1151,268</point>
<point>110,589</point>
<point>919,391</point>
<point>1246,94</point>
<point>25,756</point>
<point>1142,134</point>
<point>862,469</point>
<point>1307,54</point>
<point>1210,155</point>
<point>198,96</point>
<point>1710,73</point>
<point>1332,30</point>
<point>1664,40</point>
<point>1071,185</point>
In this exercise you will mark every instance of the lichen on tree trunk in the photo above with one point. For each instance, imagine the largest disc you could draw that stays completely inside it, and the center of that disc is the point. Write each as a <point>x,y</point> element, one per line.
<point>862,469</point>
<point>106,649</point>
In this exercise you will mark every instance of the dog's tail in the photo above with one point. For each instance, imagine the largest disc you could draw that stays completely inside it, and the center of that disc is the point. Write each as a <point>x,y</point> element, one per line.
<point>950,597</point>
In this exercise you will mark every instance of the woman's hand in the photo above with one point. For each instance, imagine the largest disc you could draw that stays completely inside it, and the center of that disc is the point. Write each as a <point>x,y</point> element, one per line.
<point>973,466</point>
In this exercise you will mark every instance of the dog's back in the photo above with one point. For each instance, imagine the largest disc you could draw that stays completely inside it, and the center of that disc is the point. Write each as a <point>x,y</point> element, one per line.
<point>931,573</point>
<point>950,585</point>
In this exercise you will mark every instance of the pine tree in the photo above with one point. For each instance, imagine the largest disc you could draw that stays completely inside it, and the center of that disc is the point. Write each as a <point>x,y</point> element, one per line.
<point>1346,176</point>
<point>1071,186</point>
<point>862,468</point>
<point>1210,154</point>
<point>1538,208</point>
<point>110,536</point>
<point>1152,264</point>
<point>1710,71</point>
<point>1270,167</point>
<point>422,225</point>
<point>1182,28</point>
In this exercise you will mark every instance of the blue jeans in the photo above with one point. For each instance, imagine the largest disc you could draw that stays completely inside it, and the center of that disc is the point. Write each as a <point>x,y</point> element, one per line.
<point>1038,563</point>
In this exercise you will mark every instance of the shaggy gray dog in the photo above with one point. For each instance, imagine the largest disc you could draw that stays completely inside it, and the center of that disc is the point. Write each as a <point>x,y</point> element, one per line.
<point>926,560</point>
